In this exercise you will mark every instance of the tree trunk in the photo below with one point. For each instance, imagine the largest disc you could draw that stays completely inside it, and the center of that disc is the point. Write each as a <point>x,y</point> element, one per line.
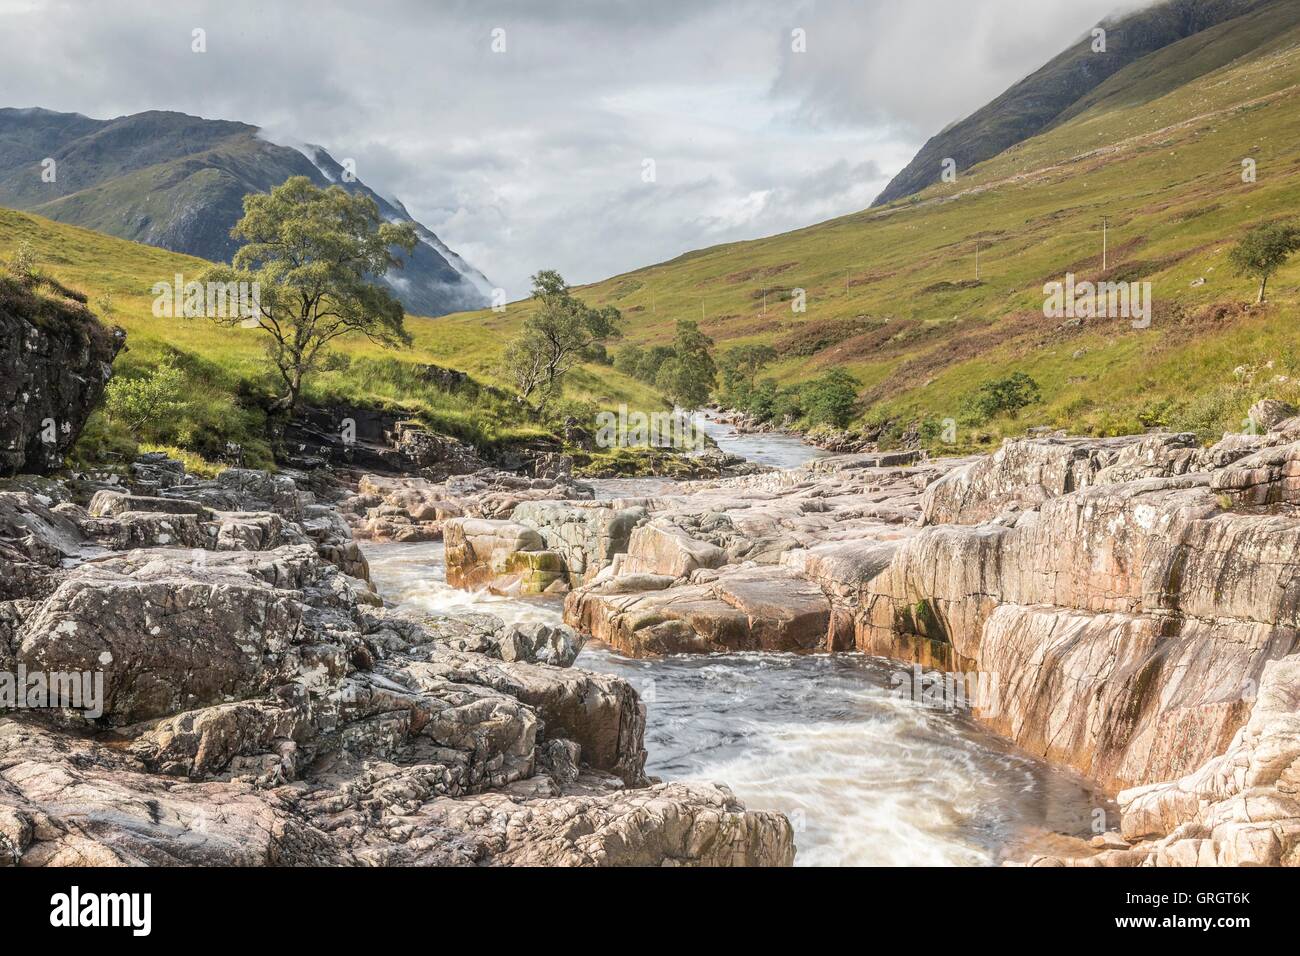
<point>1262,286</point>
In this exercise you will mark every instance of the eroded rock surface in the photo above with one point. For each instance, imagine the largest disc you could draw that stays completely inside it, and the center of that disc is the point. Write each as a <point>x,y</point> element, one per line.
<point>1135,602</point>
<point>257,706</point>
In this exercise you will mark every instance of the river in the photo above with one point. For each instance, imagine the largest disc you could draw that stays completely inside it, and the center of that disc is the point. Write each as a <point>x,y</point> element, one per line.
<point>867,777</point>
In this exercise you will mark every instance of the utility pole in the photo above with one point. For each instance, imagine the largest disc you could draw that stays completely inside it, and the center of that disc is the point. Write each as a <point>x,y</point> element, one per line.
<point>765,300</point>
<point>977,260</point>
<point>1105,222</point>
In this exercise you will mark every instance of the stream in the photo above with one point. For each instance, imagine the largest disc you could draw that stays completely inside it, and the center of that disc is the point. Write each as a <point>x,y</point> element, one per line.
<point>866,777</point>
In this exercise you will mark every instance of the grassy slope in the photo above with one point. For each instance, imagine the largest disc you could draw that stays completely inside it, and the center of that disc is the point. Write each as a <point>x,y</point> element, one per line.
<point>226,372</point>
<point>1170,179</point>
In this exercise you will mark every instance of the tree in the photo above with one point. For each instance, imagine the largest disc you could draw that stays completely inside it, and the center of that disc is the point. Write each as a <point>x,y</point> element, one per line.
<point>688,377</point>
<point>830,400</point>
<point>1008,394</point>
<point>740,365</point>
<point>628,360</point>
<point>556,338</point>
<point>652,361</point>
<point>1263,251</point>
<point>312,255</point>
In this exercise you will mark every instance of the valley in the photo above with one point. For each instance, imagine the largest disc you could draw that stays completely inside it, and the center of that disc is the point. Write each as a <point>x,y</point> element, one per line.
<point>957,530</point>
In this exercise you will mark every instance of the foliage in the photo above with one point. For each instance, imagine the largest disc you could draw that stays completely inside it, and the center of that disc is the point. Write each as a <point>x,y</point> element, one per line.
<point>831,399</point>
<point>1002,396</point>
<point>1263,251</point>
<point>686,377</point>
<point>739,367</point>
<point>555,339</point>
<point>150,405</point>
<point>313,254</point>
<point>22,262</point>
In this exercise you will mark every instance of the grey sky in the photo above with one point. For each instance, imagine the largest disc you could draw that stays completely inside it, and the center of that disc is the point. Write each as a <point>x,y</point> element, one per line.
<point>533,158</point>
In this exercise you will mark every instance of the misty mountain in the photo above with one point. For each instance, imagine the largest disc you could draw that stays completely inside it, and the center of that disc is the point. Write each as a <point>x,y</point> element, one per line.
<point>178,181</point>
<point>1053,93</point>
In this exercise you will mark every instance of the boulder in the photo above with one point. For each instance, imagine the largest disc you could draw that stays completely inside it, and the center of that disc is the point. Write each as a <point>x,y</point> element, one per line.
<point>230,633</point>
<point>503,556</point>
<point>55,359</point>
<point>743,608</point>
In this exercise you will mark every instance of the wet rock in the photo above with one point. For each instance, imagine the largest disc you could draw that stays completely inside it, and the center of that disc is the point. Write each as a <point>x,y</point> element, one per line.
<point>743,608</point>
<point>503,556</point>
<point>539,643</point>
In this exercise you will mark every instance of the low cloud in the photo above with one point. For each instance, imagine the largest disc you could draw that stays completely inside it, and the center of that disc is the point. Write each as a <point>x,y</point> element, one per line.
<point>535,157</point>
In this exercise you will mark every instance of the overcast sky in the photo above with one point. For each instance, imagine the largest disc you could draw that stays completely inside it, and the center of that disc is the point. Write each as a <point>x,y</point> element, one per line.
<point>535,157</point>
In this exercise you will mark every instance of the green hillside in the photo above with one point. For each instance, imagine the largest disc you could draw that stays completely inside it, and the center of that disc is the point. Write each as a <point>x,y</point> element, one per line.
<point>892,294</point>
<point>226,382</point>
<point>178,181</point>
<point>1061,87</point>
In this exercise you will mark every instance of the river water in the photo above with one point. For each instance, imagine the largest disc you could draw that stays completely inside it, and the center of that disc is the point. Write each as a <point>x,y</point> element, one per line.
<point>867,777</point>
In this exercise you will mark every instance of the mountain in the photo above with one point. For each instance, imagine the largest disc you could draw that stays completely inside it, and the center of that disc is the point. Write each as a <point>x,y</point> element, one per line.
<point>927,301</point>
<point>1061,88</point>
<point>178,182</point>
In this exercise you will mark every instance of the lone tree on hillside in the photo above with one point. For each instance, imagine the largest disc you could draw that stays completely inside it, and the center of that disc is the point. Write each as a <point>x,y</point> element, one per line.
<point>314,255</point>
<point>1263,251</point>
<point>555,339</point>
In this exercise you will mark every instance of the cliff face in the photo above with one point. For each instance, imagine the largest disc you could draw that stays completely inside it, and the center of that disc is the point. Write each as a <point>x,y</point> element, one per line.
<point>55,359</point>
<point>1142,620</point>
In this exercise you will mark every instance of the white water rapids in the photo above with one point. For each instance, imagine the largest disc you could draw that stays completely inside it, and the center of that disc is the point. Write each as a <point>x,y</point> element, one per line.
<point>867,777</point>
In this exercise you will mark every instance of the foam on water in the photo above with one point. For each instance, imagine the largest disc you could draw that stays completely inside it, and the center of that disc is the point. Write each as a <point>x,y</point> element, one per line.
<point>866,777</point>
<point>414,576</point>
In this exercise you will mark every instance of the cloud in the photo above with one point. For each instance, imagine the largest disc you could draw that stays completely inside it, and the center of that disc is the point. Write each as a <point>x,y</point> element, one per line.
<point>533,158</point>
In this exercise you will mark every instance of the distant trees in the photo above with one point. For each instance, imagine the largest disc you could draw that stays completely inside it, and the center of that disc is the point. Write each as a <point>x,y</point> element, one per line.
<point>739,367</point>
<point>1263,251</point>
<point>562,333</point>
<point>830,399</point>
<point>313,255</point>
<point>687,376</point>
<point>685,371</point>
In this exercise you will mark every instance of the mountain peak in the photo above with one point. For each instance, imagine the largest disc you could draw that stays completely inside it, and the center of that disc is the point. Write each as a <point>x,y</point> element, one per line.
<point>1047,96</point>
<point>177,181</point>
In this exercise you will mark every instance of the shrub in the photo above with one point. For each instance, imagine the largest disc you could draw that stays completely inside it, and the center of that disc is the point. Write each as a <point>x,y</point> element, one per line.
<point>1002,396</point>
<point>830,400</point>
<point>150,406</point>
<point>22,263</point>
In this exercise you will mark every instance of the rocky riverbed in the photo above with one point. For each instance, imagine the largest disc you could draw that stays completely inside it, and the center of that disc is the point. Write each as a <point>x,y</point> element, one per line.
<point>245,698</point>
<point>1131,601</point>
<point>1124,609</point>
